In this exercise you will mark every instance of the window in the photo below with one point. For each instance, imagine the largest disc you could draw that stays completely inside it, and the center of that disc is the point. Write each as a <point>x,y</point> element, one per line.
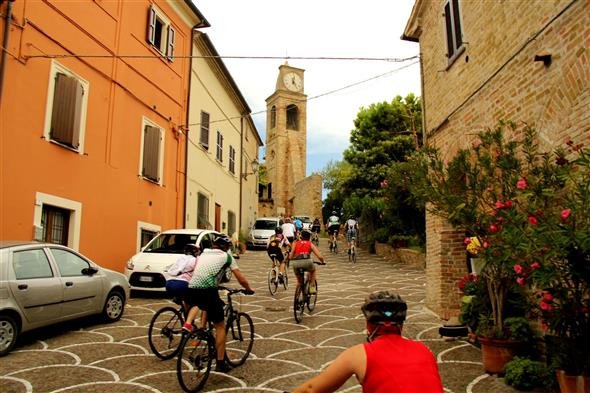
<point>55,223</point>
<point>160,33</point>
<point>145,232</point>
<point>453,30</point>
<point>68,263</point>
<point>273,117</point>
<point>31,264</point>
<point>67,103</point>
<point>202,211</point>
<point>292,115</point>
<point>231,222</point>
<point>219,154</point>
<point>232,159</point>
<point>151,156</point>
<point>204,138</point>
<point>145,237</point>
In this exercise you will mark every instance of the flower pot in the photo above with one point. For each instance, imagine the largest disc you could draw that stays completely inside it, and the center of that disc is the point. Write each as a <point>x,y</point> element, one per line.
<point>496,353</point>
<point>572,383</point>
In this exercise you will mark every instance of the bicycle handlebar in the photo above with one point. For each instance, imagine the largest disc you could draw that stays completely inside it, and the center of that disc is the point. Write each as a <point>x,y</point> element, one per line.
<point>236,290</point>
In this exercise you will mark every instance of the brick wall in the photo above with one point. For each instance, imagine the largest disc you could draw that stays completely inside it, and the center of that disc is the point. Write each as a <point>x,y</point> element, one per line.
<point>308,197</point>
<point>496,78</point>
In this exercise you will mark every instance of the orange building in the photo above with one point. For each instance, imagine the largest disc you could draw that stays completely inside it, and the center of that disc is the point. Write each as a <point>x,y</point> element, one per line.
<point>93,97</point>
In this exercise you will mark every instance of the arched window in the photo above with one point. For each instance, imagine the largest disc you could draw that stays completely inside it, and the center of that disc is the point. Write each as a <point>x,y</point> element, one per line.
<point>273,117</point>
<point>292,117</point>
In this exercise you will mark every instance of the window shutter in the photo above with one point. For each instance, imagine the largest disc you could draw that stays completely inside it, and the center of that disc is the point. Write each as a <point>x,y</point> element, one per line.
<point>457,25</point>
<point>449,30</point>
<point>204,140</point>
<point>151,153</point>
<point>67,110</point>
<point>170,44</point>
<point>151,28</point>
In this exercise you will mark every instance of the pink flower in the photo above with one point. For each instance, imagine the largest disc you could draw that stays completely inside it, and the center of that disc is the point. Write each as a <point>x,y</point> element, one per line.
<point>544,326</point>
<point>533,220</point>
<point>520,280</point>
<point>485,244</point>
<point>521,184</point>
<point>535,265</point>
<point>538,212</point>
<point>493,228</point>
<point>499,205</point>
<point>518,269</point>
<point>467,240</point>
<point>546,306</point>
<point>508,204</point>
<point>565,213</point>
<point>547,297</point>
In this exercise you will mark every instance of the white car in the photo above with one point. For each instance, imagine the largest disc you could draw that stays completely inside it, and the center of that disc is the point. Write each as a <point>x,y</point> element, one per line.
<point>42,284</point>
<point>305,220</point>
<point>146,270</point>
<point>263,228</point>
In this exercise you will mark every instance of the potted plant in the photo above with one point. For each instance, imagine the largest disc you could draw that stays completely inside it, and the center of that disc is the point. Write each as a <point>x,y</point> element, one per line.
<point>474,191</point>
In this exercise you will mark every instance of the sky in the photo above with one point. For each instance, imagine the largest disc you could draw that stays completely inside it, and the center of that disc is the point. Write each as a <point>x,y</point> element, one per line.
<point>317,28</point>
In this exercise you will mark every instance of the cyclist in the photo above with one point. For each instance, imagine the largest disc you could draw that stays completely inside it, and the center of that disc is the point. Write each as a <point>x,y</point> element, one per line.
<point>298,226</point>
<point>316,226</point>
<point>352,227</point>
<point>181,272</point>
<point>204,295</point>
<point>274,246</point>
<point>289,230</point>
<point>333,226</point>
<point>388,362</point>
<point>300,257</point>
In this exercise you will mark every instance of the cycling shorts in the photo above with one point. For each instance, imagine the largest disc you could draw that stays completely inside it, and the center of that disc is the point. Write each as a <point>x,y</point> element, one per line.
<point>315,228</point>
<point>207,299</point>
<point>333,229</point>
<point>277,252</point>
<point>305,264</point>
<point>351,234</point>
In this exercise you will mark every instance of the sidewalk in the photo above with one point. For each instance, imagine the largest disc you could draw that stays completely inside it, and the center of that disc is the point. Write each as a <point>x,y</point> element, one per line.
<point>86,357</point>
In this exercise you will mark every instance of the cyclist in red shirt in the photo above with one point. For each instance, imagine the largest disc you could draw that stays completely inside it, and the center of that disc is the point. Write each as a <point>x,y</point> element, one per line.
<point>300,257</point>
<point>388,362</point>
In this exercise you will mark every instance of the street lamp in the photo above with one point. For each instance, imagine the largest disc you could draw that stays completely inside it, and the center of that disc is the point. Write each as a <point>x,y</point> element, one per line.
<point>254,165</point>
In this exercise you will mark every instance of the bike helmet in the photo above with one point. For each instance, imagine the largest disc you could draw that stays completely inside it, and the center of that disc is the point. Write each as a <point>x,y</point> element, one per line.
<point>191,249</point>
<point>385,307</point>
<point>278,230</point>
<point>222,241</point>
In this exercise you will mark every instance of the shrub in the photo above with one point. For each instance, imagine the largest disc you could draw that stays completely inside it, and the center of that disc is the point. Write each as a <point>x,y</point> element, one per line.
<point>526,374</point>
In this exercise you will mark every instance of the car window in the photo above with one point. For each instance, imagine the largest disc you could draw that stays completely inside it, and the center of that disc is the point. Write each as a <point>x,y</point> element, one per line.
<point>68,263</point>
<point>31,264</point>
<point>170,243</point>
<point>206,241</point>
<point>265,224</point>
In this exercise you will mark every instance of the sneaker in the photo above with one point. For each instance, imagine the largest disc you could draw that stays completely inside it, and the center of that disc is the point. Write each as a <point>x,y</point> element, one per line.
<point>222,367</point>
<point>280,278</point>
<point>187,327</point>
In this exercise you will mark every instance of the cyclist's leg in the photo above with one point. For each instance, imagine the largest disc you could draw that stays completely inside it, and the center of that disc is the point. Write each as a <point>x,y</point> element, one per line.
<point>282,267</point>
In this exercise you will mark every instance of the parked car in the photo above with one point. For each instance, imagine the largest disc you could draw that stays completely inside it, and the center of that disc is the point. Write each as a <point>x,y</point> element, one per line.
<point>42,284</point>
<point>263,228</point>
<point>146,270</point>
<point>305,220</point>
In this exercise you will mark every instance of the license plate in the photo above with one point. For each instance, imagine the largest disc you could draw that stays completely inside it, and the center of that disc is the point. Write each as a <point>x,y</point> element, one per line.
<point>146,278</point>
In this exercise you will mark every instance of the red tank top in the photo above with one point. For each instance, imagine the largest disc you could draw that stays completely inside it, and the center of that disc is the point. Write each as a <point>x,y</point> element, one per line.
<point>399,365</point>
<point>302,247</point>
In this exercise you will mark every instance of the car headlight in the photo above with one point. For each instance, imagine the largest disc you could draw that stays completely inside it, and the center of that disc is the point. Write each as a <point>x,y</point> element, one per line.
<point>130,264</point>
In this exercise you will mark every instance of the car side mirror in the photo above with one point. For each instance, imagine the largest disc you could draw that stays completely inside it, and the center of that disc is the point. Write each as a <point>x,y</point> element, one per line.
<point>89,271</point>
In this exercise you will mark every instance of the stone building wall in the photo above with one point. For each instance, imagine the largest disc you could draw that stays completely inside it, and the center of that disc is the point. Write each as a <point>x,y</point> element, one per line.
<point>308,197</point>
<point>497,78</point>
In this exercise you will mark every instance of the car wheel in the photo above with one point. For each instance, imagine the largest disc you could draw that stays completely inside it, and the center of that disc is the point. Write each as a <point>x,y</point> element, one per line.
<point>114,306</point>
<point>8,334</point>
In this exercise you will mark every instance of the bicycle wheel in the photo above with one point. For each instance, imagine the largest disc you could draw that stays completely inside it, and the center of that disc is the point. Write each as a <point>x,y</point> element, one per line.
<point>312,298</point>
<point>193,365</point>
<point>165,332</point>
<point>285,280</point>
<point>239,340</point>
<point>349,254</point>
<point>273,281</point>
<point>353,255</point>
<point>298,304</point>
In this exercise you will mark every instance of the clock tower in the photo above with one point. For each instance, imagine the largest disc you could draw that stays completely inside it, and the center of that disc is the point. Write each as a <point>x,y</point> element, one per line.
<point>286,134</point>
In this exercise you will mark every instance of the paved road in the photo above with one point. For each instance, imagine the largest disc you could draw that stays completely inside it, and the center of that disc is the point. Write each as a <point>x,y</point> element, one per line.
<point>87,356</point>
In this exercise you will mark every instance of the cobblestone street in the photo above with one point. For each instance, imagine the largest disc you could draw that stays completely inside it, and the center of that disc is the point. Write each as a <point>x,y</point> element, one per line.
<point>84,356</point>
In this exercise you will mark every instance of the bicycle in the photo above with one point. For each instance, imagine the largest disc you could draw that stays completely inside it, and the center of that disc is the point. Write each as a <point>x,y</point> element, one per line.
<point>315,239</point>
<point>352,251</point>
<point>334,243</point>
<point>274,277</point>
<point>197,349</point>
<point>303,298</point>
<point>165,330</point>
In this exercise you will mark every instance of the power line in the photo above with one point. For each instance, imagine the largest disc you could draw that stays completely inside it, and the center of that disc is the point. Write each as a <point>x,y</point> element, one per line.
<point>313,97</point>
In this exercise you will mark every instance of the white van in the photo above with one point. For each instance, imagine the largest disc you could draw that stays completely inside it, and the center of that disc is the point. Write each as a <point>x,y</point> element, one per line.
<point>263,228</point>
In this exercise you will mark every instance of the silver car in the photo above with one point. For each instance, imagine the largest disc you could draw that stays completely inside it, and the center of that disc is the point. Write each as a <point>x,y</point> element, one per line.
<point>42,284</point>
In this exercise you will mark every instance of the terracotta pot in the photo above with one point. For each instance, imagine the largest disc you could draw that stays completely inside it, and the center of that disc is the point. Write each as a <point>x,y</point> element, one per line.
<point>496,353</point>
<point>572,383</point>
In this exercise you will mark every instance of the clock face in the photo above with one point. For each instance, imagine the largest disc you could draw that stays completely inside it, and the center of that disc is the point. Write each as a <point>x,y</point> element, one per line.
<point>293,81</point>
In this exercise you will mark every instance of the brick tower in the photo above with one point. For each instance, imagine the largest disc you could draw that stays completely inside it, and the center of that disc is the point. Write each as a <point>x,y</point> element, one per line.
<point>286,133</point>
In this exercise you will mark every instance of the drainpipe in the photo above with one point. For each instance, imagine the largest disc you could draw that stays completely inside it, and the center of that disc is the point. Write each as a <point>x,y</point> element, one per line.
<point>186,128</point>
<point>7,18</point>
<point>241,163</point>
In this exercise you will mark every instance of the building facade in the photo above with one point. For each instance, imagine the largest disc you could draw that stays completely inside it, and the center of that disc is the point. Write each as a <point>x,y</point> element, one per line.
<point>482,62</point>
<point>222,144</point>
